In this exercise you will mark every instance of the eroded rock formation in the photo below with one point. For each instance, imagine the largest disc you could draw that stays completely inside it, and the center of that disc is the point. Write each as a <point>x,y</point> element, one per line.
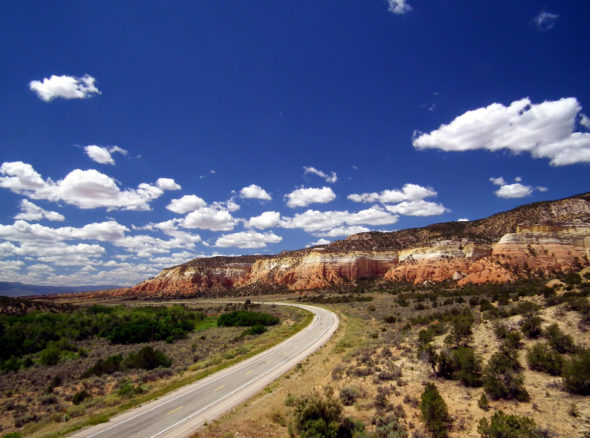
<point>533,240</point>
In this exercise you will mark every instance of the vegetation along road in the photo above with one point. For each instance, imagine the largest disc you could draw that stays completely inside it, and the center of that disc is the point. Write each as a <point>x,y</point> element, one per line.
<point>180,413</point>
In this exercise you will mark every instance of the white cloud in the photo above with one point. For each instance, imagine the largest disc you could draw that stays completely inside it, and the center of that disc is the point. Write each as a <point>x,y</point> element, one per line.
<point>409,192</point>
<point>319,242</point>
<point>268,219</point>
<point>545,20</point>
<point>463,219</point>
<point>254,192</point>
<point>305,196</point>
<point>417,208</point>
<point>167,184</point>
<point>82,188</point>
<point>315,221</point>
<point>185,204</point>
<point>210,218</point>
<point>541,189</point>
<point>499,181</point>
<point>102,154</point>
<point>585,121</point>
<point>66,87</point>
<point>32,212</point>
<point>247,239</point>
<point>516,190</point>
<point>545,130</point>
<point>332,178</point>
<point>398,7</point>
<point>342,231</point>
<point>22,231</point>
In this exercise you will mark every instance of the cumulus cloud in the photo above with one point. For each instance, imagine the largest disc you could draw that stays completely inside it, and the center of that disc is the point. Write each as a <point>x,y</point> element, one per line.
<point>514,190</point>
<point>545,20</point>
<point>185,204</point>
<point>417,208</point>
<point>319,242</point>
<point>342,231</point>
<point>268,219</point>
<point>331,178</point>
<point>254,192</point>
<point>585,121</point>
<point>103,154</point>
<point>463,219</point>
<point>32,212</point>
<point>82,188</point>
<point>22,231</point>
<point>314,221</point>
<point>247,239</point>
<point>305,196</point>
<point>398,7</point>
<point>409,192</point>
<point>66,87</point>
<point>545,130</point>
<point>211,218</point>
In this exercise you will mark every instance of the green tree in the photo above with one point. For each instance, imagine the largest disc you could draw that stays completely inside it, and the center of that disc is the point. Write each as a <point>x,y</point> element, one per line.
<point>508,426</point>
<point>434,411</point>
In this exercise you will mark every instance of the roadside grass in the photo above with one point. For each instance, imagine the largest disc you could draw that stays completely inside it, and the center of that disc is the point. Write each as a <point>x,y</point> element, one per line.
<point>275,335</point>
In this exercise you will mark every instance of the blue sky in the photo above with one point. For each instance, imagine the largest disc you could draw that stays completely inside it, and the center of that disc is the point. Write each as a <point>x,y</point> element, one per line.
<point>138,135</point>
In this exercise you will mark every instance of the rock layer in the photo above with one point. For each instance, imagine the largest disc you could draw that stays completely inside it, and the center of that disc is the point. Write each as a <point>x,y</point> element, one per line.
<point>538,239</point>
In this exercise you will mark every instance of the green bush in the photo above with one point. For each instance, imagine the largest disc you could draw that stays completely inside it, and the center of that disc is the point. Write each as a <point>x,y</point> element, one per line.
<point>80,396</point>
<point>561,342</point>
<point>434,411</point>
<point>542,358</point>
<point>483,402</point>
<point>106,366</point>
<point>50,355</point>
<point>243,318</point>
<point>460,364</point>
<point>508,426</point>
<point>531,327</point>
<point>349,395</point>
<point>576,373</point>
<point>257,329</point>
<point>502,378</point>
<point>316,416</point>
<point>147,358</point>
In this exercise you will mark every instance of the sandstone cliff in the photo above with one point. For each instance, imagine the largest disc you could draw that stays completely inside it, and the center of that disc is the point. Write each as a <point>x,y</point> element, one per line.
<point>538,239</point>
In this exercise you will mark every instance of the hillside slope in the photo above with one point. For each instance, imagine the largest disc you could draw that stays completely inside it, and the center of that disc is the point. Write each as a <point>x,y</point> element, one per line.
<point>538,239</point>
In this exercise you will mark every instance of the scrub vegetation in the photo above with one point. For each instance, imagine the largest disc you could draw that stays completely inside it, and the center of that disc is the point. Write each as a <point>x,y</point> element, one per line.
<point>65,366</point>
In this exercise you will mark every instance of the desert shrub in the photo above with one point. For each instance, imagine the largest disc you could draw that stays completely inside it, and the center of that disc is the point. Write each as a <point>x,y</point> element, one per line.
<point>243,318</point>
<point>257,329</point>
<point>390,319</point>
<point>105,366</point>
<point>483,402</point>
<point>512,340</point>
<point>317,416</point>
<point>147,358</point>
<point>460,364</point>
<point>461,328</point>
<point>350,394</point>
<point>503,425</point>
<point>502,379</point>
<point>128,390</point>
<point>55,381</point>
<point>558,340</point>
<point>434,411</point>
<point>388,426</point>
<point>80,396</point>
<point>531,327</point>
<point>50,355</point>
<point>467,366</point>
<point>542,358</point>
<point>576,373</point>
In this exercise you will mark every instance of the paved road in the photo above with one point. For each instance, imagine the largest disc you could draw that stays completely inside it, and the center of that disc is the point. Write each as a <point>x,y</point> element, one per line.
<point>181,412</point>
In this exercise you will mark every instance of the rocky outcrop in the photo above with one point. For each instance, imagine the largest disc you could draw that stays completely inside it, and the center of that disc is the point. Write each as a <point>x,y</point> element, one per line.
<point>532,240</point>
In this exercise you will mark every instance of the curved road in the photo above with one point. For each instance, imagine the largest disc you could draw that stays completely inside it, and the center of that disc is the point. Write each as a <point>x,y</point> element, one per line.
<point>181,412</point>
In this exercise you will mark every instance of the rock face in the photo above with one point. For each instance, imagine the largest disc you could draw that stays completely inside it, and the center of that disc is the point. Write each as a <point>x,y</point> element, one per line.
<point>532,240</point>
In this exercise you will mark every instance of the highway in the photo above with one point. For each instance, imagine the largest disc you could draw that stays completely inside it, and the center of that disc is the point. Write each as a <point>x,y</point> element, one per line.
<point>182,412</point>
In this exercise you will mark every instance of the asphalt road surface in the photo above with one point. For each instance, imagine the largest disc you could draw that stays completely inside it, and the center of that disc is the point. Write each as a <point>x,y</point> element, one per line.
<point>182,412</point>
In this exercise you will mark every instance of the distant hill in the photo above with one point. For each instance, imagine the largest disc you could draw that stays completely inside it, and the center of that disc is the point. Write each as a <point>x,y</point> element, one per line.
<point>15,289</point>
